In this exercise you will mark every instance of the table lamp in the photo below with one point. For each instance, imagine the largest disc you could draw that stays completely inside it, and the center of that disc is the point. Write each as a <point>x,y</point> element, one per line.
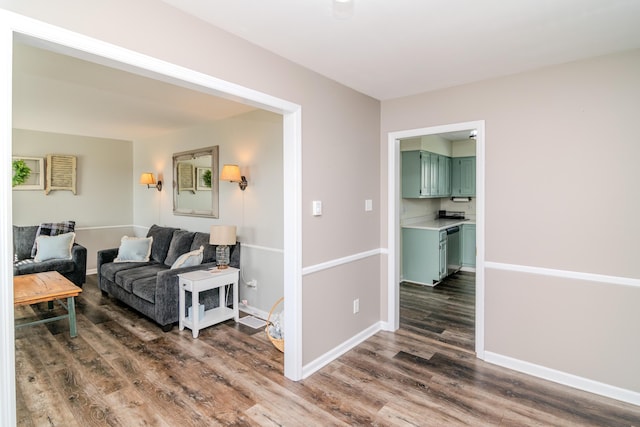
<point>222,236</point>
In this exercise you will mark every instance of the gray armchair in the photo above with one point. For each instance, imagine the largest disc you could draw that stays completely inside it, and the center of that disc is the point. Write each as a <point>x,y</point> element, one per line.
<point>74,269</point>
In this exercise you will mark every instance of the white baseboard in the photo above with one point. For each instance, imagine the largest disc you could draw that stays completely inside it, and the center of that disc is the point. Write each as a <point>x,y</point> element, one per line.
<point>564,378</point>
<point>92,271</point>
<point>255,312</point>
<point>338,351</point>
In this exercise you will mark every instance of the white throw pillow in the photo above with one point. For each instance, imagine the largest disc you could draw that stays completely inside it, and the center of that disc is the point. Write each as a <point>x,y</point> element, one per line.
<point>189,259</point>
<point>134,249</point>
<point>54,247</point>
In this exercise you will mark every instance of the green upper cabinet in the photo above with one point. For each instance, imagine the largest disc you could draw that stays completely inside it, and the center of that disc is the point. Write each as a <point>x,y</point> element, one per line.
<point>425,174</point>
<point>463,176</point>
<point>444,176</point>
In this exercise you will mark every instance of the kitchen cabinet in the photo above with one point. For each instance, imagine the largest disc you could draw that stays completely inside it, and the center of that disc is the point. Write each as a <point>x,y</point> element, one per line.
<point>425,174</point>
<point>468,252</point>
<point>463,176</point>
<point>444,176</point>
<point>424,255</point>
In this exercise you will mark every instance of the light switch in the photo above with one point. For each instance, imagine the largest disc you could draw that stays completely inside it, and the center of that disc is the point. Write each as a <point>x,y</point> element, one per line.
<point>317,208</point>
<point>368,205</point>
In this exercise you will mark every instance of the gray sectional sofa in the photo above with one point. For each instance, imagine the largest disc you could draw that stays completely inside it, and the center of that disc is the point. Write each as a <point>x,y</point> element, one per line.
<point>74,269</point>
<point>152,287</point>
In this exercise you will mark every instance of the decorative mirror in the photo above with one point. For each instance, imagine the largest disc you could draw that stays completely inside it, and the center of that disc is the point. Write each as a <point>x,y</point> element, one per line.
<point>195,182</point>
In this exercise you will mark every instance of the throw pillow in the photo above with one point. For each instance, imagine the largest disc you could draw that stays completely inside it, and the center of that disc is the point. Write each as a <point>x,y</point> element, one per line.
<point>53,229</point>
<point>189,259</point>
<point>134,249</point>
<point>180,244</point>
<point>54,247</point>
<point>161,241</point>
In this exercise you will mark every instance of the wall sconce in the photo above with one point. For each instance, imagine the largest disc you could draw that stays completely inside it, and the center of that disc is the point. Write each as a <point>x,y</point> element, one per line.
<point>231,173</point>
<point>149,179</point>
<point>222,236</point>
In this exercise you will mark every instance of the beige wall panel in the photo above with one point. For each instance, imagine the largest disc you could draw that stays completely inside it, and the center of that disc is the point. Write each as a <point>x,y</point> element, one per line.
<point>560,160</point>
<point>561,186</point>
<point>584,328</point>
<point>328,319</point>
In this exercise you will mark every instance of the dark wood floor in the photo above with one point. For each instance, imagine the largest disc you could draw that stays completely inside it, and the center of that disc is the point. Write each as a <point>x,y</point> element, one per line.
<point>122,370</point>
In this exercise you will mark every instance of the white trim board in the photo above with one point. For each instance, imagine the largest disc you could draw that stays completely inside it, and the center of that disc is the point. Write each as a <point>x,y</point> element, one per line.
<point>564,378</point>
<point>74,44</point>
<point>589,277</point>
<point>340,261</point>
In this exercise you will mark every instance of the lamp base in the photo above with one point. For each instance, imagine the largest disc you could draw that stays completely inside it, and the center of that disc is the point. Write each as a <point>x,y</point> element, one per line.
<point>222,256</point>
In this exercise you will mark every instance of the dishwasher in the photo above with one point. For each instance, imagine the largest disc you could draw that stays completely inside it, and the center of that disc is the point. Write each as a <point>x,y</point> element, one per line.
<point>453,249</point>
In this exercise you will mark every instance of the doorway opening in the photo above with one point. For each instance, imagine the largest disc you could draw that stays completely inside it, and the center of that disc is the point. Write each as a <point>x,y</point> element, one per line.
<point>437,222</point>
<point>74,44</point>
<point>399,213</point>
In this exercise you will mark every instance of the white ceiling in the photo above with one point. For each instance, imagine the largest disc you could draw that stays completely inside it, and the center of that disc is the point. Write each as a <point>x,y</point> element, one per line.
<point>63,94</point>
<point>385,48</point>
<point>394,48</point>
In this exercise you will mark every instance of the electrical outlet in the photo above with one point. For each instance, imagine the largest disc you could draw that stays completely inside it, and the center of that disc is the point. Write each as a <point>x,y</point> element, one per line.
<point>252,283</point>
<point>356,305</point>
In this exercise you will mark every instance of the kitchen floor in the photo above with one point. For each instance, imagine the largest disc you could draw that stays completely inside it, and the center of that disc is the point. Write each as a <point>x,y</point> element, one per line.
<point>445,312</point>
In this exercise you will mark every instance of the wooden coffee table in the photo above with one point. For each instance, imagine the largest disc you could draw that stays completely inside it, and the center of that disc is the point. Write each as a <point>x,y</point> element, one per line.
<point>42,287</point>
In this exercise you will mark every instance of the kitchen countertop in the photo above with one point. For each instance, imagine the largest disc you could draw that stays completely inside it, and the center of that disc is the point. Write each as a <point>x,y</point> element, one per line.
<point>438,224</point>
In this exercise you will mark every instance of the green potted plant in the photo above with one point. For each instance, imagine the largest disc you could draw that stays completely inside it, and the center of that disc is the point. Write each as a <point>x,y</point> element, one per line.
<point>21,172</point>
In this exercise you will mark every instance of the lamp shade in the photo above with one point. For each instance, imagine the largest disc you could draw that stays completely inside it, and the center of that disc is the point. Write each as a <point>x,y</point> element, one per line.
<point>230,173</point>
<point>223,235</point>
<point>147,178</point>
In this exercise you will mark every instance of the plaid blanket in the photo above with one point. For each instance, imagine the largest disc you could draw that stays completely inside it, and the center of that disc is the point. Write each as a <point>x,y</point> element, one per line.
<point>52,229</point>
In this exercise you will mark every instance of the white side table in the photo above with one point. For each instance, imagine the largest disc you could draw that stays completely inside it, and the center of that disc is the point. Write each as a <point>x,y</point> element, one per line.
<point>204,280</point>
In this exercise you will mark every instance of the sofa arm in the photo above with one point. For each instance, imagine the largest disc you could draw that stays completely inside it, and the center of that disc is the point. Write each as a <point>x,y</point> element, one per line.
<point>166,304</point>
<point>105,256</point>
<point>79,257</point>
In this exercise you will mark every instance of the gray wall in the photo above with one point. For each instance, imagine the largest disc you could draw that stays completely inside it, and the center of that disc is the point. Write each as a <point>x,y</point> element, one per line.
<point>561,193</point>
<point>102,207</point>
<point>254,142</point>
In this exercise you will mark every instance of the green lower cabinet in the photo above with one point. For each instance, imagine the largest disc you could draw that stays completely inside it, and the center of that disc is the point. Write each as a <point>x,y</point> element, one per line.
<point>424,255</point>
<point>468,253</point>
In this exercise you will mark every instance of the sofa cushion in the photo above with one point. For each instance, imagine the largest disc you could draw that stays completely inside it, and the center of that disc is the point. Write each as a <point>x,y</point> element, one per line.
<point>134,249</point>
<point>180,244</point>
<point>110,269</point>
<point>202,239</point>
<point>145,288</point>
<point>53,229</point>
<point>161,241</point>
<point>23,240</point>
<point>126,278</point>
<point>54,247</point>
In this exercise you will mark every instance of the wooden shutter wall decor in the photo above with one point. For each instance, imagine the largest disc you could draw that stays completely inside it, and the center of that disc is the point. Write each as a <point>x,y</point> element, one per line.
<point>61,173</point>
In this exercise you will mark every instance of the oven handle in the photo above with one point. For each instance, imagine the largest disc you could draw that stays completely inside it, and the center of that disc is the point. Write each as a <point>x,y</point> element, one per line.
<point>452,230</point>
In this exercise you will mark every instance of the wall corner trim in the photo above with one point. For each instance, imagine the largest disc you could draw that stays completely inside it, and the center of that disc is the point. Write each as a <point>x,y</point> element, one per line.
<point>564,378</point>
<point>339,350</point>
